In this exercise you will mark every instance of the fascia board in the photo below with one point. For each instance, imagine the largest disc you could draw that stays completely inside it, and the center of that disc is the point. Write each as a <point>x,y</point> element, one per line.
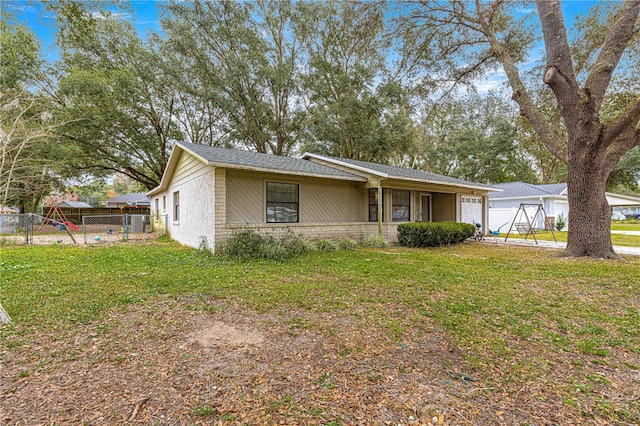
<point>173,159</point>
<point>451,184</point>
<point>282,172</point>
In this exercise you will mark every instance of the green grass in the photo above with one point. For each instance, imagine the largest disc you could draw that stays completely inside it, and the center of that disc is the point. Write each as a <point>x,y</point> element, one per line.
<point>490,301</point>
<point>625,226</point>
<point>472,290</point>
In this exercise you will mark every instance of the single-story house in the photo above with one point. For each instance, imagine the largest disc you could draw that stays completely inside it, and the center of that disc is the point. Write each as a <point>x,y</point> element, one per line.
<point>503,205</point>
<point>206,193</point>
<point>135,199</point>
<point>75,204</point>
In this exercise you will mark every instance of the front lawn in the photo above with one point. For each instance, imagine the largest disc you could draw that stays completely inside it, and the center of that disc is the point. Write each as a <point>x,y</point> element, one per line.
<point>469,334</point>
<point>626,226</point>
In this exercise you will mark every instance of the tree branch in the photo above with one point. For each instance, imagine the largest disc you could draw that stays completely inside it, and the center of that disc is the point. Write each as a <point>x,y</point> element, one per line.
<point>528,109</point>
<point>559,74</point>
<point>620,32</point>
<point>623,122</point>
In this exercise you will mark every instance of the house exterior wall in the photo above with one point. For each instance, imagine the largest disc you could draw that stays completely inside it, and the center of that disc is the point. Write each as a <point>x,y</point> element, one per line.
<point>327,208</point>
<point>320,200</point>
<point>358,231</point>
<point>443,207</point>
<point>194,181</point>
<point>216,201</point>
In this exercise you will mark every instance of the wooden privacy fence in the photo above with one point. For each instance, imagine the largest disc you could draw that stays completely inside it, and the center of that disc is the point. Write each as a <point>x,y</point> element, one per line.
<point>75,215</point>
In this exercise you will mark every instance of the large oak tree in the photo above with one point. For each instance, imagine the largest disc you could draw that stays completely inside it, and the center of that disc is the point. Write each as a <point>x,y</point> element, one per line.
<point>471,38</point>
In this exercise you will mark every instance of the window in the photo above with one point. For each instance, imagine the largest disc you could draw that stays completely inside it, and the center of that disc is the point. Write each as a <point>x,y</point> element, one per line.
<point>373,205</point>
<point>176,206</point>
<point>282,202</point>
<point>157,208</point>
<point>401,206</point>
<point>164,203</point>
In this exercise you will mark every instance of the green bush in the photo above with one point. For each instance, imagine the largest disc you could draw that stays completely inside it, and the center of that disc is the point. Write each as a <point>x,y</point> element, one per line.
<point>375,241</point>
<point>294,244</point>
<point>249,244</point>
<point>561,222</point>
<point>325,245</point>
<point>433,234</point>
<point>347,244</point>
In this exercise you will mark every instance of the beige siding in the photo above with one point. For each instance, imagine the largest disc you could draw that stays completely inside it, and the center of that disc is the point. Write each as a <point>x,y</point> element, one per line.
<point>326,201</point>
<point>245,197</point>
<point>443,207</point>
<point>321,200</point>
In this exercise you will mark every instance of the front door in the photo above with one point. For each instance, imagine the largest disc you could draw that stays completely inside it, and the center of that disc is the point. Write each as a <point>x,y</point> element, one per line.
<point>425,211</point>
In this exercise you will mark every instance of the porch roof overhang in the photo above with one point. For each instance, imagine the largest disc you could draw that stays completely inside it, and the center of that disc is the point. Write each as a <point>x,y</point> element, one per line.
<point>397,176</point>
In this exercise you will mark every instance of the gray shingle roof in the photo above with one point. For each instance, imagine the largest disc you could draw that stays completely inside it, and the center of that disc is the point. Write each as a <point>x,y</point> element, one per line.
<point>255,160</point>
<point>76,204</point>
<point>524,190</point>
<point>554,188</point>
<point>134,197</point>
<point>411,174</point>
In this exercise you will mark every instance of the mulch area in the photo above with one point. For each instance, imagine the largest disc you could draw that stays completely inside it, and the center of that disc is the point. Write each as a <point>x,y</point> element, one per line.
<point>206,361</point>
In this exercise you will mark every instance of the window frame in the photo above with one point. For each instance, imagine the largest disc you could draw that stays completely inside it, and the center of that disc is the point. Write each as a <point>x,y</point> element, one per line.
<point>271,201</point>
<point>373,207</point>
<point>405,207</point>
<point>176,206</point>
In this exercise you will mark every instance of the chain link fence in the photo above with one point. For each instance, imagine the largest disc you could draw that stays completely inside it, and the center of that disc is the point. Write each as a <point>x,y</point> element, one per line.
<point>93,229</point>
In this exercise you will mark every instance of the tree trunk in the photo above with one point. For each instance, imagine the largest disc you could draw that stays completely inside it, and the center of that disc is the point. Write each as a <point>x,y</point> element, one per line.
<point>589,212</point>
<point>4,316</point>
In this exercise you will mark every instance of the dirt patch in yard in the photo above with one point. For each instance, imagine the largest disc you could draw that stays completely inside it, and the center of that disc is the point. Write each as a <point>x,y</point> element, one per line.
<point>216,334</point>
<point>206,361</point>
<point>78,238</point>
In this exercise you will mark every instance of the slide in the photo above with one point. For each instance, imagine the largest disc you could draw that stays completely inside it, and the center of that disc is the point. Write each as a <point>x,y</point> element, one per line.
<point>71,226</point>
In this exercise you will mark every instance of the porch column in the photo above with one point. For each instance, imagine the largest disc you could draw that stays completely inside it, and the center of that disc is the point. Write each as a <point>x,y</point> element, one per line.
<point>380,211</point>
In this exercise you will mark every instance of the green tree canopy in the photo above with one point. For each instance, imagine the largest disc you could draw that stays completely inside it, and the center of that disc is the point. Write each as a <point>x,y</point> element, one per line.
<point>118,106</point>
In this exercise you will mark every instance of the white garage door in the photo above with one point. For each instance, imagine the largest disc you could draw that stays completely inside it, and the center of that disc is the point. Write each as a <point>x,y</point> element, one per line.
<point>471,209</point>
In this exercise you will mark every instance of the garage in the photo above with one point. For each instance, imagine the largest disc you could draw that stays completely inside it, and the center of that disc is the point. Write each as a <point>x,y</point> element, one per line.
<point>471,209</point>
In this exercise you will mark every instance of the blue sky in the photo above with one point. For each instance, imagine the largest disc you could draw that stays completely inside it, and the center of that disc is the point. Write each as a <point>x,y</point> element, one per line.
<point>41,22</point>
<point>33,14</point>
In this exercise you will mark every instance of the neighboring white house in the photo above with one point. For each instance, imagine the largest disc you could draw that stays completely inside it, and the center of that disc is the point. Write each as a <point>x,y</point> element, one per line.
<point>206,193</point>
<point>504,205</point>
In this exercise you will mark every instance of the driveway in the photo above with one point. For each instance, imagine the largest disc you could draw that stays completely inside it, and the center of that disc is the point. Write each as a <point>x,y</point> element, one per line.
<point>622,250</point>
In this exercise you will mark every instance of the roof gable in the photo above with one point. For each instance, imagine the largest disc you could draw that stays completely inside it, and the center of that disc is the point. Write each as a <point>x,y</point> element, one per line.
<point>233,158</point>
<point>249,160</point>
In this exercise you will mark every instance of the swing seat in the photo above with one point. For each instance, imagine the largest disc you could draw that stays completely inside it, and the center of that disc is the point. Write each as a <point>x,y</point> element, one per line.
<point>523,228</point>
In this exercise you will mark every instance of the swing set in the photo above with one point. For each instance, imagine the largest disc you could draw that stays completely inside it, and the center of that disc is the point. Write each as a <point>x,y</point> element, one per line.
<point>524,226</point>
<point>56,218</point>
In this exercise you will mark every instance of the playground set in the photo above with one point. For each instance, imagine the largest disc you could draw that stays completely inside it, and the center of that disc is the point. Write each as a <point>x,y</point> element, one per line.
<point>94,228</point>
<point>56,218</point>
